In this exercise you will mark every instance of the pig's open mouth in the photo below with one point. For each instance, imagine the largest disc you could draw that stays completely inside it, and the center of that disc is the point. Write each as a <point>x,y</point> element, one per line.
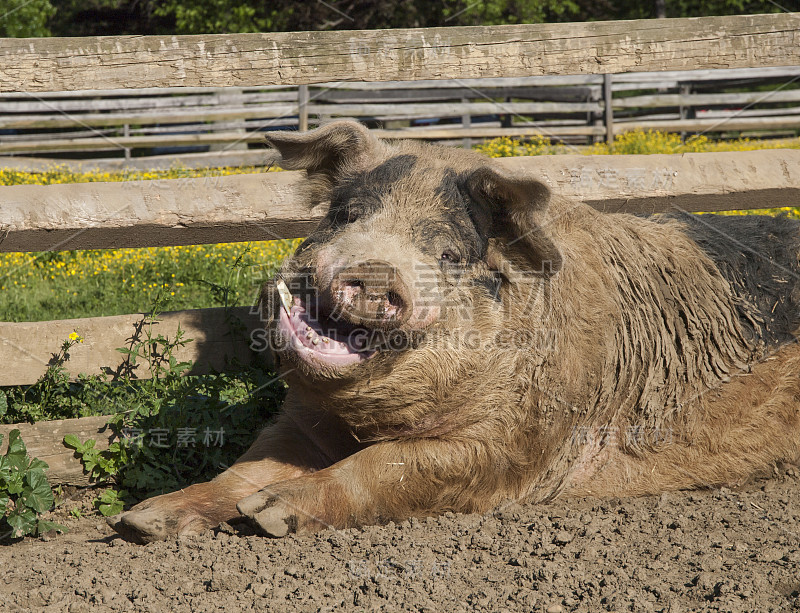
<point>322,340</point>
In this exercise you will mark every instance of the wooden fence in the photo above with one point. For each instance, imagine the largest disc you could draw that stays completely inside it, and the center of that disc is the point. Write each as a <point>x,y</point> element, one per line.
<point>143,128</point>
<point>124,97</point>
<point>266,206</point>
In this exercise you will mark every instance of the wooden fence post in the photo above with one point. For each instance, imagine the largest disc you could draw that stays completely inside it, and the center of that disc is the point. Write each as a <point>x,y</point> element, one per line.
<point>224,99</point>
<point>609,109</point>
<point>685,89</point>
<point>126,132</point>
<point>302,108</point>
<point>466,122</point>
<point>506,120</point>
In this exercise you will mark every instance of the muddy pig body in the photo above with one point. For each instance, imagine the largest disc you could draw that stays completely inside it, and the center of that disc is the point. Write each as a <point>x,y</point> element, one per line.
<point>454,336</point>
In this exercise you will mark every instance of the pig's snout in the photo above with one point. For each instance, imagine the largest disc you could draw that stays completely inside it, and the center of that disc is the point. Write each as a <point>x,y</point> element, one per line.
<point>371,293</point>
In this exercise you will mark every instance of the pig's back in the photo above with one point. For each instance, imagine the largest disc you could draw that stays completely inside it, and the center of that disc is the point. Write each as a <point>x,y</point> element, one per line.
<point>758,256</point>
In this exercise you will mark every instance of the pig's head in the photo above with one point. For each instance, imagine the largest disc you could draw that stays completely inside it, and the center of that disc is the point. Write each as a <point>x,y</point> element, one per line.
<point>413,234</point>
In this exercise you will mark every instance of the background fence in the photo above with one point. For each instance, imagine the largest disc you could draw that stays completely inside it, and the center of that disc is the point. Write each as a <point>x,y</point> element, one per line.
<point>146,128</point>
<point>265,206</point>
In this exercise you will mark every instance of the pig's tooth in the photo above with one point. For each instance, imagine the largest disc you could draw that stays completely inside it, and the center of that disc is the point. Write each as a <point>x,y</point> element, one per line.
<point>309,334</point>
<point>315,341</point>
<point>325,339</point>
<point>286,296</point>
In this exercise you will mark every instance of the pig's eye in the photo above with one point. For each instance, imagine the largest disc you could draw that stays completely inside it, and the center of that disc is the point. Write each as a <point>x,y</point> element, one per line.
<point>450,257</point>
<point>345,216</point>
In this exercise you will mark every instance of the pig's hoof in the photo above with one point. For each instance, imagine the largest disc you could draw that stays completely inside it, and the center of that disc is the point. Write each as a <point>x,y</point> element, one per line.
<point>149,525</point>
<point>277,515</point>
<point>143,526</point>
<point>267,514</point>
<point>274,522</point>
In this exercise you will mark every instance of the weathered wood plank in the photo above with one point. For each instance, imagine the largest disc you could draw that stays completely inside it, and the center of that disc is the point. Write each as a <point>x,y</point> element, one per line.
<point>129,92</point>
<point>787,111</point>
<point>150,213</point>
<point>213,159</point>
<point>454,109</point>
<point>201,114</point>
<point>44,440</point>
<point>608,108</point>
<point>626,79</point>
<point>55,136</point>
<point>732,123</point>
<point>715,99</point>
<point>711,74</point>
<point>178,115</point>
<point>476,83</point>
<point>294,58</point>
<point>267,206</point>
<point>621,79</point>
<point>434,132</point>
<point>174,99</point>
<point>668,183</point>
<point>95,104</point>
<point>577,93</point>
<point>115,143</point>
<point>26,348</point>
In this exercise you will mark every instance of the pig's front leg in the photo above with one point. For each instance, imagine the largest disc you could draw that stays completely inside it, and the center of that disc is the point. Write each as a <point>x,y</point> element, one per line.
<point>386,481</point>
<point>299,442</point>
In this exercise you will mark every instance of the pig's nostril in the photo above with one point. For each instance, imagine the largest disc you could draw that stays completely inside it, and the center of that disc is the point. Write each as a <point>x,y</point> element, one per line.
<point>394,299</point>
<point>354,283</point>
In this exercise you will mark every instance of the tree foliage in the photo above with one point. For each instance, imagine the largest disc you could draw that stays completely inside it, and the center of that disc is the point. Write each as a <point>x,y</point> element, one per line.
<point>96,17</point>
<point>107,18</point>
<point>223,16</point>
<point>25,18</point>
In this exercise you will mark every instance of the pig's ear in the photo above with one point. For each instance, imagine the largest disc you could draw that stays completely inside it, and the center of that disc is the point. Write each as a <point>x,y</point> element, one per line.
<point>331,149</point>
<point>518,206</point>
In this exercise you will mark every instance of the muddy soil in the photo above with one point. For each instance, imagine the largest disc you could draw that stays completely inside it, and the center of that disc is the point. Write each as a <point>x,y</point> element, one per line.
<point>717,550</point>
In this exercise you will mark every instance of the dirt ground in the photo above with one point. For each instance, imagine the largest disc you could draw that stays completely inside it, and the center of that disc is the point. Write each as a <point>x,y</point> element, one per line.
<point>718,550</point>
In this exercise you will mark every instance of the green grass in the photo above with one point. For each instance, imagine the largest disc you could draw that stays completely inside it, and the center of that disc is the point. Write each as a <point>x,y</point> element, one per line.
<point>93,283</point>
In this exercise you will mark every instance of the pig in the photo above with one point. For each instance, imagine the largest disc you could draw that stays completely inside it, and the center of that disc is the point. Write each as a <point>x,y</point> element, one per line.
<point>455,336</point>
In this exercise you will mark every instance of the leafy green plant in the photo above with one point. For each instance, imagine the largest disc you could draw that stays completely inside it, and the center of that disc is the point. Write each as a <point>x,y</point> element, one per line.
<point>56,376</point>
<point>54,396</point>
<point>102,466</point>
<point>157,351</point>
<point>173,428</point>
<point>24,492</point>
<point>111,502</point>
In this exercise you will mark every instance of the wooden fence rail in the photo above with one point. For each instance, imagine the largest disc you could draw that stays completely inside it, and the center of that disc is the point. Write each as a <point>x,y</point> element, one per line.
<point>296,58</point>
<point>266,206</point>
<point>44,440</point>
<point>218,337</point>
